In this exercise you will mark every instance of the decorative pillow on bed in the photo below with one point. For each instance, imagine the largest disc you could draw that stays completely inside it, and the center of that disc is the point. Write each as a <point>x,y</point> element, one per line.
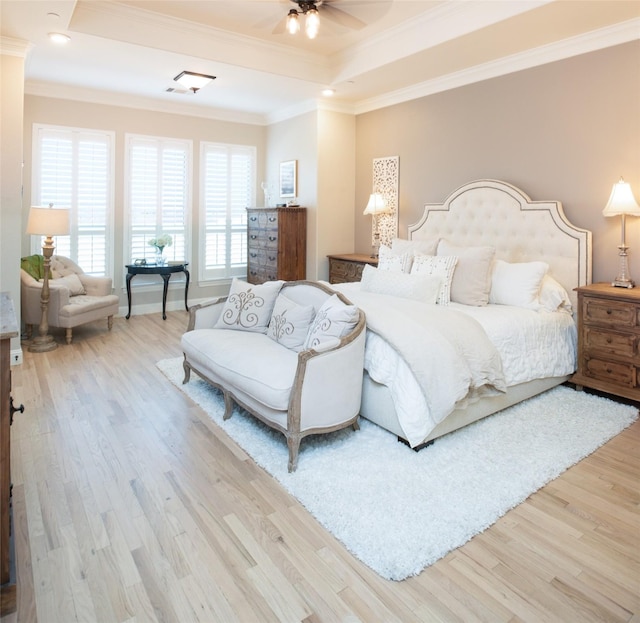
<point>517,284</point>
<point>440,265</point>
<point>290,323</point>
<point>394,262</point>
<point>425,246</point>
<point>553,297</point>
<point>472,277</point>
<point>333,320</point>
<point>248,307</point>
<point>423,288</point>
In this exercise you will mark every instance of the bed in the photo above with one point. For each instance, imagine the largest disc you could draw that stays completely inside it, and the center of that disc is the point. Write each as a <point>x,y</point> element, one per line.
<point>512,331</point>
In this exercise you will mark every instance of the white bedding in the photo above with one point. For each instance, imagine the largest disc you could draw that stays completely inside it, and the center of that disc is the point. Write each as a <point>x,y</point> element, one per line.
<point>530,345</point>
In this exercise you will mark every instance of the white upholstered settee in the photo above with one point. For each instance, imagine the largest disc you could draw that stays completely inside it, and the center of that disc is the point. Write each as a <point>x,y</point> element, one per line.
<point>289,353</point>
<point>75,298</point>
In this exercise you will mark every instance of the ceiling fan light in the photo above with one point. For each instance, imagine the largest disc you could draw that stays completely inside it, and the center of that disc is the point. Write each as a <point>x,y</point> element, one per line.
<point>293,25</point>
<point>312,23</point>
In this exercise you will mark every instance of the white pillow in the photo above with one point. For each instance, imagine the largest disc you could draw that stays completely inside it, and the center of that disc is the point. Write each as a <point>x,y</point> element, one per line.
<point>290,323</point>
<point>248,307</point>
<point>423,288</point>
<point>426,246</point>
<point>393,262</point>
<point>72,282</point>
<point>517,284</point>
<point>440,265</point>
<point>472,277</point>
<point>553,297</point>
<point>333,320</point>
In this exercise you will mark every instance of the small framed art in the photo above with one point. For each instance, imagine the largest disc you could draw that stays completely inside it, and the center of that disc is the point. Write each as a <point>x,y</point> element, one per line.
<point>288,178</point>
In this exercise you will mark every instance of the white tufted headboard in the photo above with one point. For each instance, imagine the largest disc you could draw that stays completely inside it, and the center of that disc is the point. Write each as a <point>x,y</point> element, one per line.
<point>497,214</point>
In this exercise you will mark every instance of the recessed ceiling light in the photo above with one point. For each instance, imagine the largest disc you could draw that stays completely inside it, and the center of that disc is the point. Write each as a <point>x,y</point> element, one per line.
<point>59,38</point>
<point>328,92</point>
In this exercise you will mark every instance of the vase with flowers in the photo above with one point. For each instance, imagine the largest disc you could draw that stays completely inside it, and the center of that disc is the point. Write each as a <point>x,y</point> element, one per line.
<point>159,244</point>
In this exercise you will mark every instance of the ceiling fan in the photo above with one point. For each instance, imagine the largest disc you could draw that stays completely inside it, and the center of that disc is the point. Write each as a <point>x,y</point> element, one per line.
<point>311,10</point>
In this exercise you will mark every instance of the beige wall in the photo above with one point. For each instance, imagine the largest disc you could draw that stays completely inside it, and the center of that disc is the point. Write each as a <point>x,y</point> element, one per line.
<point>323,143</point>
<point>11,153</point>
<point>563,131</point>
<point>129,120</point>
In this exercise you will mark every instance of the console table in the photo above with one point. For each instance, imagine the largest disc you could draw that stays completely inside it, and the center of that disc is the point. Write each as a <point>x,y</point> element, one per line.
<point>165,272</point>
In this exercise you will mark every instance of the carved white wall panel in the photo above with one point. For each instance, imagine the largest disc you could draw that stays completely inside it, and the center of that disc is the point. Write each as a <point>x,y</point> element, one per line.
<point>385,181</point>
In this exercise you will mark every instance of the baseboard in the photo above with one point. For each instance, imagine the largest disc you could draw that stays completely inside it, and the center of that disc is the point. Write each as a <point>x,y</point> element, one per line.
<point>16,356</point>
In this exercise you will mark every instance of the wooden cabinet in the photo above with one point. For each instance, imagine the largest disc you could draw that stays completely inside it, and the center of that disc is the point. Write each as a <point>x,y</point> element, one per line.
<point>348,266</point>
<point>8,329</point>
<point>276,244</point>
<point>609,340</point>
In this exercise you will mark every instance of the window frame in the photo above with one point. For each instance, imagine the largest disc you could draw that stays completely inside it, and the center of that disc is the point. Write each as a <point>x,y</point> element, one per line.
<point>38,131</point>
<point>213,275</point>
<point>131,139</point>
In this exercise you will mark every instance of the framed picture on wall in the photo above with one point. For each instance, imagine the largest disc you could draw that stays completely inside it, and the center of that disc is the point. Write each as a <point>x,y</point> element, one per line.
<point>288,178</point>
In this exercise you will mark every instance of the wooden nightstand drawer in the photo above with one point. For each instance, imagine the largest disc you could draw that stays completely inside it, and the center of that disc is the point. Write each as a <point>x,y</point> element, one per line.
<point>609,340</point>
<point>611,372</point>
<point>621,344</point>
<point>348,267</point>
<point>609,313</point>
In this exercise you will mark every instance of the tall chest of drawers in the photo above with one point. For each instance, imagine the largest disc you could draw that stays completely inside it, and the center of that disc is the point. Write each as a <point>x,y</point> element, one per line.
<point>609,340</point>
<point>276,244</point>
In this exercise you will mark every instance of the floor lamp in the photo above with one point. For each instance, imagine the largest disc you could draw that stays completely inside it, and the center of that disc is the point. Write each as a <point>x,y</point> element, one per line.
<point>46,222</point>
<point>622,203</point>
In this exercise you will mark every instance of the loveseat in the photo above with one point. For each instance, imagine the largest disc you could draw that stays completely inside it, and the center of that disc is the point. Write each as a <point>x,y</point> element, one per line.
<point>290,353</point>
<point>75,298</point>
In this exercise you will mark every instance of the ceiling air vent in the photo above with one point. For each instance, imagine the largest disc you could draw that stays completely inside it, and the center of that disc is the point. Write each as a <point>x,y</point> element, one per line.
<point>179,91</point>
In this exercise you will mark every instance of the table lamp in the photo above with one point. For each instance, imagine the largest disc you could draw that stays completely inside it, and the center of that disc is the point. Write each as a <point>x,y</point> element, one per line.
<point>46,222</point>
<point>622,203</point>
<point>376,206</point>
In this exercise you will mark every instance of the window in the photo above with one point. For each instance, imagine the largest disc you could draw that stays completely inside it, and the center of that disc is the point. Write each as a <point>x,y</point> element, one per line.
<point>157,196</point>
<point>228,188</point>
<point>74,168</point>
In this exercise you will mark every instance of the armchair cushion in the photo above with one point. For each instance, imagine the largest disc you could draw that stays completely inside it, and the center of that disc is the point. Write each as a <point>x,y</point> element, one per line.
<point>72,282</point>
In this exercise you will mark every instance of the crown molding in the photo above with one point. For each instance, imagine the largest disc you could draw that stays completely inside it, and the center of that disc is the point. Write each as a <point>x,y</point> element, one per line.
<point>14,47</point>
<point>574,46</point>
<point>110,98</point>
<point>443,23</point>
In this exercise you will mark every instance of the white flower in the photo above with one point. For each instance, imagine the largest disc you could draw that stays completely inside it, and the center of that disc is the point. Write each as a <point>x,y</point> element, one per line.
<point>161,242</point>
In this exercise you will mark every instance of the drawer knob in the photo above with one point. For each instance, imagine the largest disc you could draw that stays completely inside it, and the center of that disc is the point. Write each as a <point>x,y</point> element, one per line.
<point>253,236</point>
<point>272,258</point>
<point>608,340</point>
<point>609,370</point>
<point>253,254</point>
<point>608,312</point>
<point>272,219</point>
<point>272,238</point>
<point>253,218</point>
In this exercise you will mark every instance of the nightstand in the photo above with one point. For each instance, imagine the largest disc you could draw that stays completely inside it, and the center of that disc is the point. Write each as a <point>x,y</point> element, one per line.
<point>348,266</point>
<point>609,340</point>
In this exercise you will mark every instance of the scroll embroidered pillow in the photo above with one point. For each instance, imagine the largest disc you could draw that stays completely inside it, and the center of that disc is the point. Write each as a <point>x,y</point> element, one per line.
<point>289,323</point>
<point>334,320</point>
<point>248,307</point>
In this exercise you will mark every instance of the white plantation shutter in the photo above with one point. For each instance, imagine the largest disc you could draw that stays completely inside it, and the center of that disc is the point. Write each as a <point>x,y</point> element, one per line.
<point>157,198</point>
<point>228,188</point>
<point>73,168</point>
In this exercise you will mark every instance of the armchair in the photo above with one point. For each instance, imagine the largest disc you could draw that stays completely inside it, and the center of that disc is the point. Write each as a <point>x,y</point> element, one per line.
<point>75,298</point>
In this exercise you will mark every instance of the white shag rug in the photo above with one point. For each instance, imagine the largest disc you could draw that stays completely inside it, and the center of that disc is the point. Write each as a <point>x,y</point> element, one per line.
<point>398,510</point>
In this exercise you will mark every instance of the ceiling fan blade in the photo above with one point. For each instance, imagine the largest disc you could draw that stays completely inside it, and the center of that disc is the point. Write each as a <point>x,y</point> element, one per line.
<point>341,17</point>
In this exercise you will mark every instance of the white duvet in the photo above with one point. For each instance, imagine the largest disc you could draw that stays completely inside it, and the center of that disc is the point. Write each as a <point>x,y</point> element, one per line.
<point>478,350</point>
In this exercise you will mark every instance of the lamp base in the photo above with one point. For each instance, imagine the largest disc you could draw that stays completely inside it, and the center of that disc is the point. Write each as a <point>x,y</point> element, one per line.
<point>42,344</point>
<point>623,283</point>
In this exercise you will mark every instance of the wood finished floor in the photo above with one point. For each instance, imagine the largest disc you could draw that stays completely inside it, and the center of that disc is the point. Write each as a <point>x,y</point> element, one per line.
<point>130,505</point>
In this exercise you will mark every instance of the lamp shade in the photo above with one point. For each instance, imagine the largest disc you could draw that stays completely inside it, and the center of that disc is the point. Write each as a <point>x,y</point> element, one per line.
<point>48,221</point>
<point>376,205</point>
<point>621,201</point>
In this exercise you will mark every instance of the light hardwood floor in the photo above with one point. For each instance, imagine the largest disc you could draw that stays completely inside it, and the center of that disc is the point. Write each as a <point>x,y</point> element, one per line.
<point>130,505</point>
